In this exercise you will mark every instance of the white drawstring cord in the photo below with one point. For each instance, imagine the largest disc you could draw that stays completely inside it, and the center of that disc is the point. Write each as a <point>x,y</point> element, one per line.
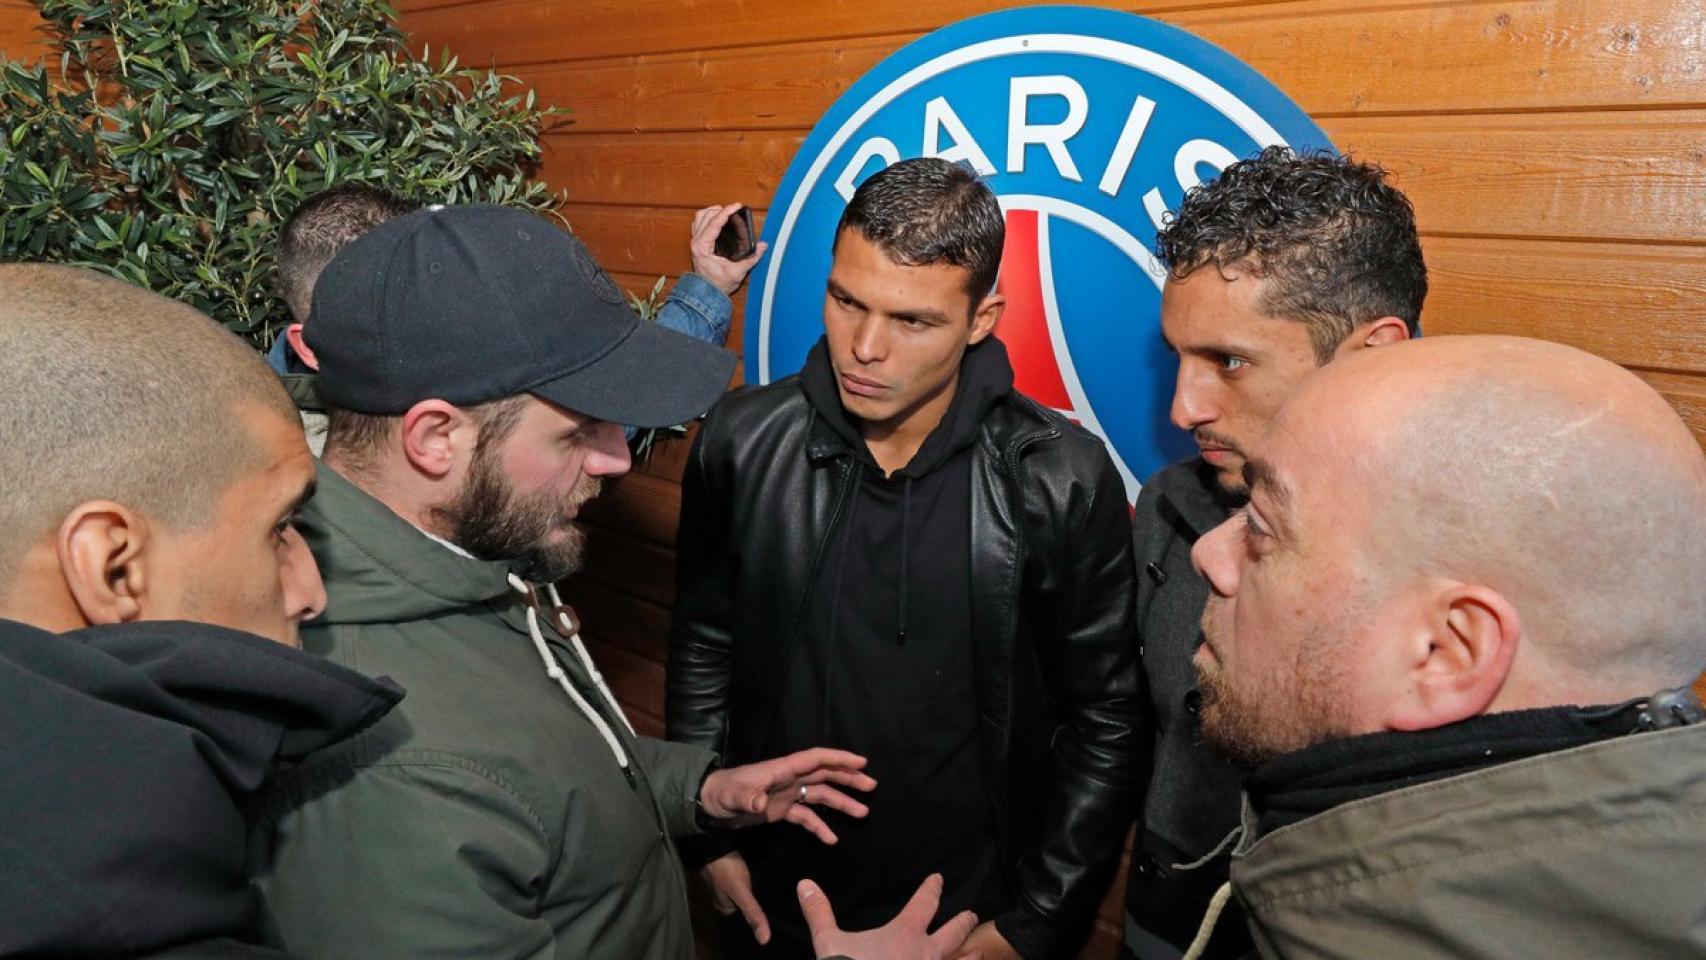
<point>572,631</point>
<point>555,671</point>
<point>1215,906</point>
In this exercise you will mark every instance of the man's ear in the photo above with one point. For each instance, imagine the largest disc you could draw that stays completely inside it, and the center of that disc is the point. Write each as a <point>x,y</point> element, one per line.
<point>1382,332</point>
<point>435,435</point>
<point>988,314</point>
<point>101,549</point>
<point>299,344</point>
<point>1460,656</point>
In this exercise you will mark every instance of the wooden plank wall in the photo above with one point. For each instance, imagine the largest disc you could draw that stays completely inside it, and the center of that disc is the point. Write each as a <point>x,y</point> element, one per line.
<point>1555,151</point>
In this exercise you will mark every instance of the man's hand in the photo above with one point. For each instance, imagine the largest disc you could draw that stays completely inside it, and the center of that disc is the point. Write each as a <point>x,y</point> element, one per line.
<point>780,789</point>
<point>987,943</point>
<point>906,937</point>
<point>731,889</point>
<point>725,275</point>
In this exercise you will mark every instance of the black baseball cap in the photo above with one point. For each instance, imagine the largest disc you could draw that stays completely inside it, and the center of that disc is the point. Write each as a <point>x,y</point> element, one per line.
<point>475,303</point>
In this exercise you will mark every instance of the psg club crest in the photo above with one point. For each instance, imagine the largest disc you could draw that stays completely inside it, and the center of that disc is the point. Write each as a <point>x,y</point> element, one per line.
<point>1089,125</point>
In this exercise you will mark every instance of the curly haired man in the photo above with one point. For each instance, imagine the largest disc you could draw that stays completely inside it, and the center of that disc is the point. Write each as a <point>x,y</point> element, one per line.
<point>1275,268</point>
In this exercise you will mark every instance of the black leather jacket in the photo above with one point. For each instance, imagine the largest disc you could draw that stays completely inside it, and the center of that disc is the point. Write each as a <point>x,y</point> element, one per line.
<point>1060,699</point>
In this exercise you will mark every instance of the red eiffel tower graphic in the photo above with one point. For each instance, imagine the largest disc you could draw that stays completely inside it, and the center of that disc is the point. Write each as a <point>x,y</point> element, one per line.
<point>1024,326</point>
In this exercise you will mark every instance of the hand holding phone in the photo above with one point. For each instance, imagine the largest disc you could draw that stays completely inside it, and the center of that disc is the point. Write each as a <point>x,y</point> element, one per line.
<point>737,240</point>
<point>725,245</point>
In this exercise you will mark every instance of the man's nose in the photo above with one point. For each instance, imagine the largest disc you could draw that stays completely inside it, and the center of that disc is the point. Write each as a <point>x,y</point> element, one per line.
<point>299,575</point>
<point>1193,399</point>
<point>1217,554</point>
<point>609,455</point>
<point>870,340</point>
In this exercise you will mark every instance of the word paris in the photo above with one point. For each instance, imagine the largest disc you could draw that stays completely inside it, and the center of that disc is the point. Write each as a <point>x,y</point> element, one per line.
<point>941,124</point>
<point>1089,125</point>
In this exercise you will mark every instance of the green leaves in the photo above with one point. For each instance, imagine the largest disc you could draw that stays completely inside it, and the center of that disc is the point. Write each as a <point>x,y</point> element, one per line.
<point>185,133</point>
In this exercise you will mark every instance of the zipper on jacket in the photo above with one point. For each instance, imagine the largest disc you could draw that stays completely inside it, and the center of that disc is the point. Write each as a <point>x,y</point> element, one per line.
<point>849,482</point>
<point>1010,460</point>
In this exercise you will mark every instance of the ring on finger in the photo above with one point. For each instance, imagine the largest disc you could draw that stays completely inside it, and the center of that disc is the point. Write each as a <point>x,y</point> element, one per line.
<point>802,793</point>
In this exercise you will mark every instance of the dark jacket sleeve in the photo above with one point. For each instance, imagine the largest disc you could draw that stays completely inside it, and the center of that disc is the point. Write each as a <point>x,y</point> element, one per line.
<point>1101,746</point>
<point>701,665</point>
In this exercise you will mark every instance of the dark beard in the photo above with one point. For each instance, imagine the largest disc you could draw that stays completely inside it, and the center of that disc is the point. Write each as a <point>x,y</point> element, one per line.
<point>489,520</point>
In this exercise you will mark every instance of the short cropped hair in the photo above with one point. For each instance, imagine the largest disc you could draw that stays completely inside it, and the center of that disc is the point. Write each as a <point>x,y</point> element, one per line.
<point>927,211</point>
<point>325,224</point>
<point>1337,243</point>
<point>356,441</point>
<point>110,392</point>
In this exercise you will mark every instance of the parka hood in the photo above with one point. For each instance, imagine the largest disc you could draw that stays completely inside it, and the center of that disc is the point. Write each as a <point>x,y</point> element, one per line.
<point>131,752</point>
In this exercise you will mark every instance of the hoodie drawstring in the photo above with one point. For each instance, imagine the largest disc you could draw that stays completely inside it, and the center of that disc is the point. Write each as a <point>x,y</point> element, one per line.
<point>555,671</point>
<point>572,630</point>
<point>1216,905</point>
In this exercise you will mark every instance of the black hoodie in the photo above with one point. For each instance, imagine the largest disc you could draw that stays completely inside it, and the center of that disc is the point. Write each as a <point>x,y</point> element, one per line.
<point>886,669</point>
<point>128,754</point>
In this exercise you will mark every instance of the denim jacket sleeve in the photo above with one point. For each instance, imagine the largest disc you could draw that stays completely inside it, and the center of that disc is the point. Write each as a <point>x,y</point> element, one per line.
<point>698,309</point>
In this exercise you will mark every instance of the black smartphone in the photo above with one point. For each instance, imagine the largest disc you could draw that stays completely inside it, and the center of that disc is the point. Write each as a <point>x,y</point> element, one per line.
<point>737,241</point>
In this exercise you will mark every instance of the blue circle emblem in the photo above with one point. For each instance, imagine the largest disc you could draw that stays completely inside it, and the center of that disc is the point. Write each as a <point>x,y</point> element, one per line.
<point>1089,125</point>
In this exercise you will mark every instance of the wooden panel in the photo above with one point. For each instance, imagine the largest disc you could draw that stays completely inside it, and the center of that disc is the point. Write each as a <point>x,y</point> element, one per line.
<point>1546,175</point>
<point>1332,56</point>
<point>1686,393</point>
<point>1420,57</point>
<point>1638,305</point>
<point>1610,175</point>
<point>636,681</point>
<point>642,505</point>
<point>619,559</point>
<point>1549,146</point>
<point>642,240</point>
<point>667,458</point>
<point>769,88</point>
<point>532,31</point>
<point>670,169</point>
<point>24,35</point>
<point>1453,56</point>
<point>619,618</point>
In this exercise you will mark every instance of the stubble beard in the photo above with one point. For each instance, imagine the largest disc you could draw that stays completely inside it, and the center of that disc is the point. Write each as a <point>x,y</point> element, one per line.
<point>490,520</point>
<point>1253,725</point>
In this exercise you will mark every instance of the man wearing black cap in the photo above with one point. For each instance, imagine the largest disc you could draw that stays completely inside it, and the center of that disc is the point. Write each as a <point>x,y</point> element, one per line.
<point>479,366</point>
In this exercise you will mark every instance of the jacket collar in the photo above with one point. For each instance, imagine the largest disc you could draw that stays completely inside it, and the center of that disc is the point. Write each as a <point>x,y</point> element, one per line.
<point>378,568</point>
<point>1190,489</point>
<point>1299,785</point>
<point>985,384</point>
<point>304,391</point>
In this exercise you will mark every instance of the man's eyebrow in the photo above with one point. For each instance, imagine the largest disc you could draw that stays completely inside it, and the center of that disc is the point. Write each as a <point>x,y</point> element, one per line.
<point>925,316</point>
<point>1212,350</point>
<point>302,498</point>
<point>1261,473</point>
<point>837,290</point>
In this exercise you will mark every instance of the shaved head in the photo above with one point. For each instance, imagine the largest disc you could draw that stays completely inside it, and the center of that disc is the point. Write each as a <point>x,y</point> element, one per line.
<point>110,392</point>
<point>1449,527</point>
<point>1558,479</point>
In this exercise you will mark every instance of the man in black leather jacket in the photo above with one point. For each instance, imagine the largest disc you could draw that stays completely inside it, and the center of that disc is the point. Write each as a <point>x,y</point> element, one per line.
<point>1276,267</point>
<point>896,552</point>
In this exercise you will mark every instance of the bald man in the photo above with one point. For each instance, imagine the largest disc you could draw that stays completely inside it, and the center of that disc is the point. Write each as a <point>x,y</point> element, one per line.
<point>1454,628</point>
<point>153,466</point>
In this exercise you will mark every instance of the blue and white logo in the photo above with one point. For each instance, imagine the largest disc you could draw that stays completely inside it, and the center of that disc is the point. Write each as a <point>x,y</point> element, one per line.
<point>1089,125</point>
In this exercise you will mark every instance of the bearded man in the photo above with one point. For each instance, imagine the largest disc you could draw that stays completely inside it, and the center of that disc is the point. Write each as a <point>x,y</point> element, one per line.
<point>479,368</point>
